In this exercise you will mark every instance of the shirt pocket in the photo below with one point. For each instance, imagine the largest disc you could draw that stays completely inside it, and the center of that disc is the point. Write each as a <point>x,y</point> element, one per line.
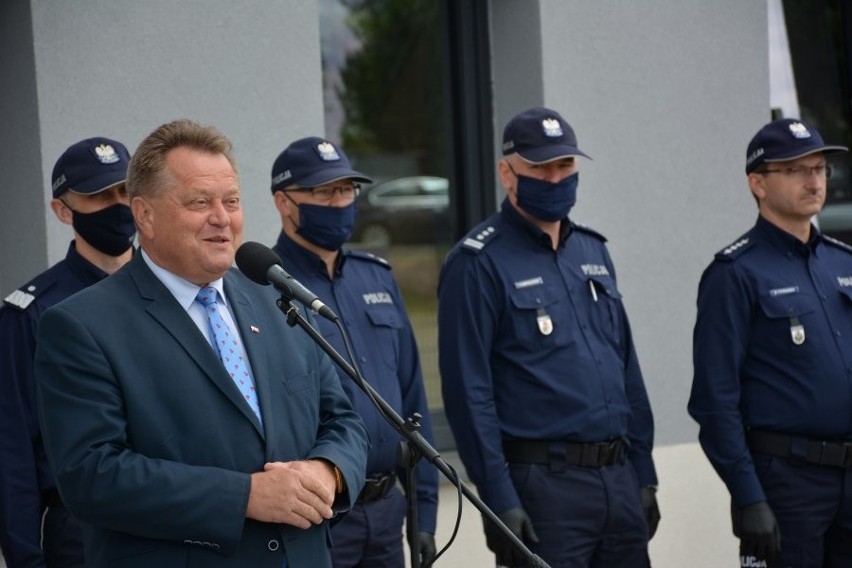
<point>535,317</point>
<point>606,307</point>
<point>383,342</point>
<point>789,321</point>
<point>846,294</point>
<point>787,306</point>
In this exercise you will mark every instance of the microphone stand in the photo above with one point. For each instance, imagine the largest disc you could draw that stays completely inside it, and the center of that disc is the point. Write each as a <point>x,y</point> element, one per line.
<point>416,445</point>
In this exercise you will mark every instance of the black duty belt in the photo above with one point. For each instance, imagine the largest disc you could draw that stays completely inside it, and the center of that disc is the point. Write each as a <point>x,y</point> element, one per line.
<point>831,453</point>
<point>376,486</point>
<point>569,453</point>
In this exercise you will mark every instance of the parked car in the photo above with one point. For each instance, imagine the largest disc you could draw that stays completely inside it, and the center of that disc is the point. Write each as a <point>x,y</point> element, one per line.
<point>408,210</point>
<point>835,220</point>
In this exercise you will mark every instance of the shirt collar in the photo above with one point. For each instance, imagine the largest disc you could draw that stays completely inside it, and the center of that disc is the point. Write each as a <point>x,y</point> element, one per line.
<point>786,242</point>
<point>182,289</point>
<point>308,262</point>
<point>513,218</point>
<point>87,272</point>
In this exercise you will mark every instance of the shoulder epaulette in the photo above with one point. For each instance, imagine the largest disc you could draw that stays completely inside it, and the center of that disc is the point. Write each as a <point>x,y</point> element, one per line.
<point>364,255</point>
<point>474,242</point>
<point>588,230</point>
<point>735,249</point>
<point>25,295</point>
<point>839,244</point>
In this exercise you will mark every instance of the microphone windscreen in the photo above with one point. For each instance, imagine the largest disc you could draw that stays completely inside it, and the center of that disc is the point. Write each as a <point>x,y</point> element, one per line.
<point>254,260</point>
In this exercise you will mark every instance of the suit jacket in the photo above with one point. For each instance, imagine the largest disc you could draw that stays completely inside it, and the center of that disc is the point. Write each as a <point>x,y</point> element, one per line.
<point>152,444</point>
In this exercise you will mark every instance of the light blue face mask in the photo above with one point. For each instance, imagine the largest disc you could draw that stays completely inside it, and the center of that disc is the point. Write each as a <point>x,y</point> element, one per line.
<point>324,226</point>
<point>545,200</point>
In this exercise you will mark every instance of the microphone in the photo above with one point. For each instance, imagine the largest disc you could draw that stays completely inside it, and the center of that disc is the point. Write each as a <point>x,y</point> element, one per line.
<point>260,264</point>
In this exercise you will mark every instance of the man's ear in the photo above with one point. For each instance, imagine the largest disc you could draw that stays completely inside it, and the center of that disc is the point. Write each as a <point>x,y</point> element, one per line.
<point>282,203</point>
<point>757,185</point>
<point>504,172</point>
<point>62,211</point>
<point>143,215</point>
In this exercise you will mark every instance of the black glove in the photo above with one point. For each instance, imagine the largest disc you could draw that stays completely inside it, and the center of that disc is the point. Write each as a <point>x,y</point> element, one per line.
<point>425,548</point>
<point>648,498</point>
<point>504,549</point>
<point>757,529</point>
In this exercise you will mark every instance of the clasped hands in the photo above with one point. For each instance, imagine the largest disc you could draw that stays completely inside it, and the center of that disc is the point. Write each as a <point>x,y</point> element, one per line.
<point>298,493</point>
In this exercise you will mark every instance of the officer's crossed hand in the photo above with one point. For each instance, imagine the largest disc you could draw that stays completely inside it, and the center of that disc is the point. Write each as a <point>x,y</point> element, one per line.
<point>507,553</point>
<point>426,547</point>
<point>757,529</point>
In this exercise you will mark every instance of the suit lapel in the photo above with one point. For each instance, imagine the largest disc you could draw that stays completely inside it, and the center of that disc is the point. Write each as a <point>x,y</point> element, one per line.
<point>176,322</point>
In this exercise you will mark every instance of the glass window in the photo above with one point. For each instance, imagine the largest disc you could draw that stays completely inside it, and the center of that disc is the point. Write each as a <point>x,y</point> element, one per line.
<point>816,56</point>
<point>385,94</point>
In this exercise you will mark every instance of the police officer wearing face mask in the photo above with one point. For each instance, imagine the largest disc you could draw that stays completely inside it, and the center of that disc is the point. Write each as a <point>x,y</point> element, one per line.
<point>772,351</point>
<point>89,195</point>
<point>315,188</point>
<point>541,383</point>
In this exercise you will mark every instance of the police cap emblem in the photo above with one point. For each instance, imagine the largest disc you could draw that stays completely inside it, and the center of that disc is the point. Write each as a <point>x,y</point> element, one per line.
<point>106,154</point>
<point>799,130</point>
<point>327,152</point>
<point>551,127</point>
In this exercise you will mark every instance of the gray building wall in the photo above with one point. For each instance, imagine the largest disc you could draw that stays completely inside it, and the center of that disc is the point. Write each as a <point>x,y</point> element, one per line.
<point>121,68</point>
<point>23,241</point>
<point>663,95</point>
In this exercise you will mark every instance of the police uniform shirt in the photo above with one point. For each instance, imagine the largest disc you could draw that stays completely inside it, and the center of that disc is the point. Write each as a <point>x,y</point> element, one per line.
<point>535,344</point>
<point>24,474</point>
<point>367,299</point>
<point>772,347</point>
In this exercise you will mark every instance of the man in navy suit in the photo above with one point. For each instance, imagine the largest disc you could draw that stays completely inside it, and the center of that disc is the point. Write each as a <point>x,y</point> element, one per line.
<point>168,459</point>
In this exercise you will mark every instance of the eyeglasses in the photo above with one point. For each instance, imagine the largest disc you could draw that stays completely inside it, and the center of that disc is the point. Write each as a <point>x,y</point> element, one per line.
<point>803,173</point>
<point>327,193</point>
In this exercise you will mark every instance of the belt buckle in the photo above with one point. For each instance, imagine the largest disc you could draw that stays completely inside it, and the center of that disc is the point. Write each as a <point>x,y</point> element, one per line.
<point>835,454</point>
<point>830,454</point>
<point>610,453</point>
<point>592,454</point>
<point>373,489</point>
<point>557,456</point>
<point>846,460</point>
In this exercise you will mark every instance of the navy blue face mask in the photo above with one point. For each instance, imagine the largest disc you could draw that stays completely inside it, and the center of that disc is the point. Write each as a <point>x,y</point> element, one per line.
<point>545,200</point>
<point>109,230</point>
<point>326,227</point>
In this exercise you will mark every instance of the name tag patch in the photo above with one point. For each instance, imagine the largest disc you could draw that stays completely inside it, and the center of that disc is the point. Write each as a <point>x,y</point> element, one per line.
<point>784,291</point>
<point>529,282</point>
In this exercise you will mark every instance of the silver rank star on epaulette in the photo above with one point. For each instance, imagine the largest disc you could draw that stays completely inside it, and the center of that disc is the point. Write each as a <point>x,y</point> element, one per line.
<point>20,299</point>
<point>739,244</point>
<point>478,241</point>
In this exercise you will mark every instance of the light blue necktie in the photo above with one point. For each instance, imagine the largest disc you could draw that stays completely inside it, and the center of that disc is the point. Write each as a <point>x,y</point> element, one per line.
<point>230,351</point>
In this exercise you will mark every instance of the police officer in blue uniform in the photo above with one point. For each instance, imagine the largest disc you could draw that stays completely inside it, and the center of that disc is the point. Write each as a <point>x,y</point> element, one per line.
<point>541,383</point>
<point>314,188</point>
<point>772,350</point>
<point>88,194</point>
